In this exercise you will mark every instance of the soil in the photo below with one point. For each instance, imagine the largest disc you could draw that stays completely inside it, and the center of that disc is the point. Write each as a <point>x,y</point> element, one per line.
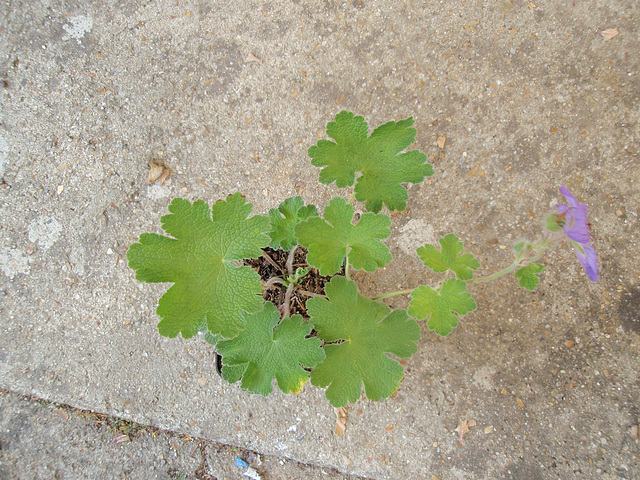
<point>273,264</point>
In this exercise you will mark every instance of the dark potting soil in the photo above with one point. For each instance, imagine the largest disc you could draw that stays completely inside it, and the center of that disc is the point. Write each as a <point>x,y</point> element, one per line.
<point>273,264</point>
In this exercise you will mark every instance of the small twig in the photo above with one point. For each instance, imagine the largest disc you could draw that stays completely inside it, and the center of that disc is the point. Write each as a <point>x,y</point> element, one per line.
<point>270,261</point>
<point>310,294</point>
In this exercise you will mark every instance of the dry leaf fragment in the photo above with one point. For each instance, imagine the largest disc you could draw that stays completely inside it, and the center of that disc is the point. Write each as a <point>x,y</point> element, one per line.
<point>155,171</point>
<point>252,58</point>
<point>159,171</point>
<point>441,141</point>
<point>519,402</point>
<point>165,175</point>
<point>62,414</point>
<point>347,460</point>
<point>341,421</point>
<point>464,427</point>
<point>633,431</point>
<point>120,439</point>
<point>609,33</point>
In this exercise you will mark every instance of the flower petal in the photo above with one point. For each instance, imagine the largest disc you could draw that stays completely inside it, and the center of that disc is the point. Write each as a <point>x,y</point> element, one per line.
<point>576,227</point>
<point>589,260</point>
<point>571,200</point>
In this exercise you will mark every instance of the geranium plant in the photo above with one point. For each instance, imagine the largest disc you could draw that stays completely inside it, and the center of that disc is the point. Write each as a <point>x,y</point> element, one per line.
<point>228,285</point>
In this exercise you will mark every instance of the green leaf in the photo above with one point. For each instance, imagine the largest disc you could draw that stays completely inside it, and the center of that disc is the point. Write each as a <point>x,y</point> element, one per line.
<point>384,169</point>
<point>358,334</point>
<point>285,218</point>
<point>332,238</point>
<point>266,349</point>
<point>554,224</point>
<point>296,277</point>
<point>449,258</point>
<point>199,261</point>
<point>528,275</point>
<point>232,373</point>
<point>441,305</point>
<point>210,338</point>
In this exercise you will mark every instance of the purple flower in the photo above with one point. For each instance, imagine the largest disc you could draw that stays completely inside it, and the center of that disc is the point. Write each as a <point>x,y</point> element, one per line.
<point>575,226</point>
<point>575,217</point>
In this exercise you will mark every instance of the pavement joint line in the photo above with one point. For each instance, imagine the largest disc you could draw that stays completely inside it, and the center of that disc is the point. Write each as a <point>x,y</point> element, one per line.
<point>114,423</point>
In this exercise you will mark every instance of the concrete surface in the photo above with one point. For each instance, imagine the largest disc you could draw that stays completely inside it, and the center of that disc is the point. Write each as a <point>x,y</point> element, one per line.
<point>529,96</point>
<point>71,443</point>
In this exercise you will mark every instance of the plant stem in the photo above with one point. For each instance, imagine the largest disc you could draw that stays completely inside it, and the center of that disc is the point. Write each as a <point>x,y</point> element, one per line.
<point>529,254</point>
<point>393,294</point>
<point>287,300</point>
<point>502,272</point>
<point>273,281</point>
<point>536,250</point>
<point>290,258</point>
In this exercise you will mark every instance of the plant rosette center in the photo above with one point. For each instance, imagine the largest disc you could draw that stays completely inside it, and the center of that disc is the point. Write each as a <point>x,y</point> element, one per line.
<point>306,280</point>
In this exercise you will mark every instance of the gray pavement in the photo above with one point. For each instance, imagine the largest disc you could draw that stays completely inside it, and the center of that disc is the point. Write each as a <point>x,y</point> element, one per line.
<point>41,440</point>
<point>529,96</point>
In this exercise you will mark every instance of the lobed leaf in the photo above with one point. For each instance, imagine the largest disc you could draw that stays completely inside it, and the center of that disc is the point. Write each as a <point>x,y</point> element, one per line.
<point>284,219</point>
<point>441,305</point>
<point>528,276</point>
<point>358,334</point>
<point>266,349</point>
<point>198,260</point>
<point>332,238</point>
<point>449,258</point>
<point>383,168</point>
